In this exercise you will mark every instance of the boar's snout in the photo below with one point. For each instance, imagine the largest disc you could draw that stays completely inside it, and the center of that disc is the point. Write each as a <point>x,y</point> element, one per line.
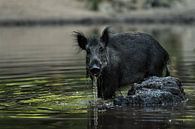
<point>95,70</point>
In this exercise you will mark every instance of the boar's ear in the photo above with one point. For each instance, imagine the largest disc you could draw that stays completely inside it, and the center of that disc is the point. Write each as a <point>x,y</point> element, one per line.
<point>105,36</point>
<point>81,40</point>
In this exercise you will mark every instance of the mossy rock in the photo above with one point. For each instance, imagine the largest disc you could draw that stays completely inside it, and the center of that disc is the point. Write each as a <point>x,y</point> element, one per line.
<point>154,91</point>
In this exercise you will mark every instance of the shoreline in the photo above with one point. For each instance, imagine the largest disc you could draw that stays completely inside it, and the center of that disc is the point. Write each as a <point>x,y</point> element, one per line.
<point>176,19</point>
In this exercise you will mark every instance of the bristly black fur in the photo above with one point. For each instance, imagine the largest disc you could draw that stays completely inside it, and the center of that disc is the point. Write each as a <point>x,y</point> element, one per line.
<point>93,40</point>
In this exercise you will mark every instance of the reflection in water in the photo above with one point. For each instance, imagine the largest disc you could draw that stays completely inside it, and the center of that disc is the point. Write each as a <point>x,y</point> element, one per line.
<point>43,82</point>
<point>137,118</point>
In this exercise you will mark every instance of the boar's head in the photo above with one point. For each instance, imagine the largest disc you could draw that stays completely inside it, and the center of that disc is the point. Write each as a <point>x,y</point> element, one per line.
<point>96,51</point>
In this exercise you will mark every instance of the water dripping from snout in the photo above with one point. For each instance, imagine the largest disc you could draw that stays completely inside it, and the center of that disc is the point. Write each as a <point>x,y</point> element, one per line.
<point>95,98</point>
<point>95,94</point>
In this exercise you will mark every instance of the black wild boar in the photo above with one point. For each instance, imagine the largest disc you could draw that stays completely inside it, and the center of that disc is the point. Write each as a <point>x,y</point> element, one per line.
<point>122,58</point>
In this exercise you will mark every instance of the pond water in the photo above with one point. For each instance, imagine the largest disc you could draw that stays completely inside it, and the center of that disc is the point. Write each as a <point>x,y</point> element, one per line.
<point>43,82</point>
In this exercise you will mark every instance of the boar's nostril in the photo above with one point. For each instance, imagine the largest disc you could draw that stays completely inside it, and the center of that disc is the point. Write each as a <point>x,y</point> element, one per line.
<point>95,71</point>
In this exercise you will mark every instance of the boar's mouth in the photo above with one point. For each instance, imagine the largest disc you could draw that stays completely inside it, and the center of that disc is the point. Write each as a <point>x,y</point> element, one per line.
<point>94,71</point>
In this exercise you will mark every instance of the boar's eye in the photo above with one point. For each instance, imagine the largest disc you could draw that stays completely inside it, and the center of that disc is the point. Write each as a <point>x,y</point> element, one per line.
<point>88,51</point>
<point>101,49</point>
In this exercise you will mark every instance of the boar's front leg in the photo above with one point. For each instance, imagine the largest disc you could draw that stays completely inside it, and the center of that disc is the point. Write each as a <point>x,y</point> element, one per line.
<point>107,86</point>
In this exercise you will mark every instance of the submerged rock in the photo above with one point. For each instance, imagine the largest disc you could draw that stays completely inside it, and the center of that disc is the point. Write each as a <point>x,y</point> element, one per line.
<point>154,91</point>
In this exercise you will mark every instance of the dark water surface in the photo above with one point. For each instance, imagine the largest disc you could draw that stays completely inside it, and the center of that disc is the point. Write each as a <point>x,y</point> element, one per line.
<point>43,83</point>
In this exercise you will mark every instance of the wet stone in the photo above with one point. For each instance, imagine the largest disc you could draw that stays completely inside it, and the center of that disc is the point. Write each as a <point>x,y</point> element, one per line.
<point>154,91</point>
